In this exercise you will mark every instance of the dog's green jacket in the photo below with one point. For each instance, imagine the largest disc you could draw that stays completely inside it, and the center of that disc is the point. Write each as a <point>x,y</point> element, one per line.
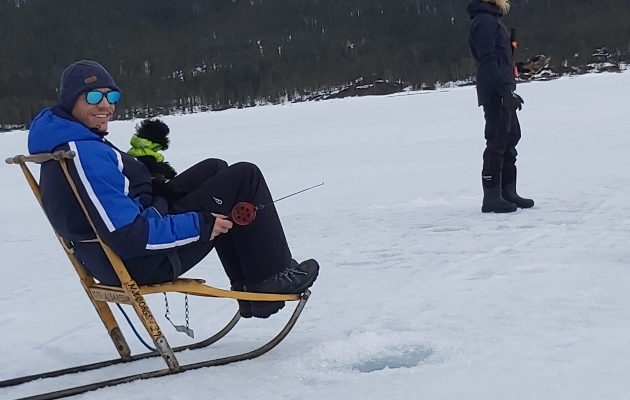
<point>144,147</point>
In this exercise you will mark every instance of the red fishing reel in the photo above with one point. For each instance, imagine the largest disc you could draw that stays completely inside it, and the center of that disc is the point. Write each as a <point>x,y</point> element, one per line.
<point>243,213</point>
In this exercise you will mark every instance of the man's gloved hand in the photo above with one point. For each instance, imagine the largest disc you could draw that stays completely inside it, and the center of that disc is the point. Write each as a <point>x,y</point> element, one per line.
<point>512,101</point>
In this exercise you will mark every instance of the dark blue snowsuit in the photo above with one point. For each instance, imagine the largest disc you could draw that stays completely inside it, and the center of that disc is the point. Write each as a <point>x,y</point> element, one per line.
<point>491,47</point>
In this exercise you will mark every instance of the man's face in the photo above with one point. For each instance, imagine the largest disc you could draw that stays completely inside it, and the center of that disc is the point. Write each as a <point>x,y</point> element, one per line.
<point>94,115</point>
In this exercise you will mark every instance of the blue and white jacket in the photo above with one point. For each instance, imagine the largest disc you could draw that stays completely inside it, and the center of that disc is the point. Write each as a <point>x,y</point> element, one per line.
<point>116,189</point>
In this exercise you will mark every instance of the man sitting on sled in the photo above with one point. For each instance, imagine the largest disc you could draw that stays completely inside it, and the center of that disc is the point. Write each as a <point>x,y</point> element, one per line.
<point>158,239</point>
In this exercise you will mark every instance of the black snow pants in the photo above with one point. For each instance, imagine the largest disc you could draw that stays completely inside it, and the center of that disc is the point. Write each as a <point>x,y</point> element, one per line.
<point>502,133</point>
<point>249,254</point>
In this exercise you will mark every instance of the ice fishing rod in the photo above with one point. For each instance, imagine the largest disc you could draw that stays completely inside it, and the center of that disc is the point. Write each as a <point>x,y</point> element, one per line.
<point>244,213</point>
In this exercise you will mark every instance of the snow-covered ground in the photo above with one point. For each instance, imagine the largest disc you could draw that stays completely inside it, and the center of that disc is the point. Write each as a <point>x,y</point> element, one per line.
<point>420,296</point>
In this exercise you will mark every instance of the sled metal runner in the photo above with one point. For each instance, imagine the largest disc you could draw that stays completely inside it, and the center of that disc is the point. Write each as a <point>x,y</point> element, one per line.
<point>159,373</point>
<point>103,364</point>
<point>131,293</point>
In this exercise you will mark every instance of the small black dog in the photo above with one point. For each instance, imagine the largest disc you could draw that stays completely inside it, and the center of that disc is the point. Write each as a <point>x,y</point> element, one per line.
<point>152,137</point>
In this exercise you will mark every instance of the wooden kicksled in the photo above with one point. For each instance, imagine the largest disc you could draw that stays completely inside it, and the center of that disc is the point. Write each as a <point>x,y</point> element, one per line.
<point>131,293</point>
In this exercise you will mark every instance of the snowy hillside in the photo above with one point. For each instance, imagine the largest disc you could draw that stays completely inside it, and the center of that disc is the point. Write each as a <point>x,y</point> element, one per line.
<point>420,296</point>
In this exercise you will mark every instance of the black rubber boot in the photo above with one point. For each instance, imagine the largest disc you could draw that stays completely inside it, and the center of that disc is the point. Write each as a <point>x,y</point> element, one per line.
<point>493,202</point>
<point>509,193</point>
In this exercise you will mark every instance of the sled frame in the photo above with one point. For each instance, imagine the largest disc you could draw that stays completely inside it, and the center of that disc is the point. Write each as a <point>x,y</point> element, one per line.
<point>131,293</point>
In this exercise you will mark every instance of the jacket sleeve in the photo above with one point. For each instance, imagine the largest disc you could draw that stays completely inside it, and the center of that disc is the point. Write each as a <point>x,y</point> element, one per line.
<point>128,230</point>
<point>484,37</point>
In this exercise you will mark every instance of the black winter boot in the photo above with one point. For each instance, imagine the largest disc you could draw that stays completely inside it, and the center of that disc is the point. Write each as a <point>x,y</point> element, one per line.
<point>295,279</point>
<point>264,309</point>
<point>493,202</point>
<point>509,193</point>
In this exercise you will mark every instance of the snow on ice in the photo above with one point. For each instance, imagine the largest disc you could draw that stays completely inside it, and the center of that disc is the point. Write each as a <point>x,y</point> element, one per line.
<point>420,296</point>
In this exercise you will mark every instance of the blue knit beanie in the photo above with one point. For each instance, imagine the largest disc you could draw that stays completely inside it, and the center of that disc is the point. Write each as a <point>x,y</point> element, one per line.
<point>81,77</point>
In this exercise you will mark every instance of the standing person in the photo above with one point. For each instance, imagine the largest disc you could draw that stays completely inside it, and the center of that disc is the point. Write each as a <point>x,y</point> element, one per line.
<point>157,239</point>
<point>492,49</point>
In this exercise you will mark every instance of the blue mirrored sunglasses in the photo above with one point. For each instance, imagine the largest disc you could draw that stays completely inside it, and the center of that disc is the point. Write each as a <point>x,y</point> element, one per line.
<point>95,97</point>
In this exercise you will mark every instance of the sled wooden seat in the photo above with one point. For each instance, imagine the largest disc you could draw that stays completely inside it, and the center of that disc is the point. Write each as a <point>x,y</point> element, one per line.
<point>193,287</point>
<point>130,292</point>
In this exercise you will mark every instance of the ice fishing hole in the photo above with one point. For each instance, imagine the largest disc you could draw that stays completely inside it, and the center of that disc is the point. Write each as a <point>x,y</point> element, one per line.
<point>406,358</point>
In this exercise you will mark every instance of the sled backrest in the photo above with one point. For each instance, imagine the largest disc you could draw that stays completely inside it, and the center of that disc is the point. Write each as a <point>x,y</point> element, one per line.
<point>40,158</point>
<point>62,157</point>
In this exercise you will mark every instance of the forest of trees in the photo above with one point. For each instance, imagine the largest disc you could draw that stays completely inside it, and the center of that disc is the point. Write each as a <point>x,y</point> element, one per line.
<point>222,53</point>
